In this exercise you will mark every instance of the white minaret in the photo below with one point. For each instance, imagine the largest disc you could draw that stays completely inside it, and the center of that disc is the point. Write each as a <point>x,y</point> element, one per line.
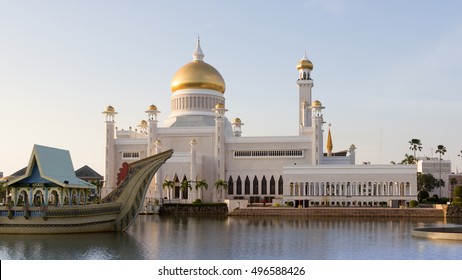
<point>305,84</point>
<point>317,120</point>
<point>110,175</point>
<point>219,147</point>
<point>152,128</point>
<point>152,112</point>
<point>158,176</point>
<point>237,127</point>
<point>193,173</point>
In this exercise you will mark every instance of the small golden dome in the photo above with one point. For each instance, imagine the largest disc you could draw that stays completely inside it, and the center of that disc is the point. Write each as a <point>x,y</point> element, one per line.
<point>316,103</point>
<point>237,120</point>
<point>109,109</point>
<point>152,108</point>
<point>220,106</point>
<point>143,123</point>
<point>305,63</point>
<point>198,75</point>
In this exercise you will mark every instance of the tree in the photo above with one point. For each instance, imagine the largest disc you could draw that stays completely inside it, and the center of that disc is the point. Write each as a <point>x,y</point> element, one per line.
<point>408,159</point>
<point>169,185</point>
<point>416,144</point>
<point>201,184</point>
<point>426,182</point>
<point>184,186</point>
<point>221,185</point>
<point>441,149</point>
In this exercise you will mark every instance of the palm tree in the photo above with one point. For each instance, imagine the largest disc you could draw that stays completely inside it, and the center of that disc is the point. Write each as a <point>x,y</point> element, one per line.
<point>416,144</point>
<point>202,184</point>
<point>441,149</point>
<point>408,159</point>
<point>169,185</point>
<point>221,185</point>
<point>184,186</point>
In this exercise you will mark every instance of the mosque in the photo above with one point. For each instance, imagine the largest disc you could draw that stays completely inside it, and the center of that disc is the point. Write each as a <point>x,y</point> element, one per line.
<point>208,147</point>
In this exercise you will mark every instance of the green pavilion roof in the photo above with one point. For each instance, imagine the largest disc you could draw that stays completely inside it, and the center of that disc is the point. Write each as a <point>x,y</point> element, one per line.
<point>54,165</point>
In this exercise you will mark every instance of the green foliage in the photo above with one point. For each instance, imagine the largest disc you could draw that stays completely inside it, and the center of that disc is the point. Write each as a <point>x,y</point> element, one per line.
<point>221,184</point>
<point>422,195</point>
<point>277,205</point>
<point>197,201</point>
<point>457,201</point>
<point>289,203</point>
<point>458,192</point>
<point>408,159</point>
<point>426,182</point>
<point>443,200</point>
<point>413,203</point>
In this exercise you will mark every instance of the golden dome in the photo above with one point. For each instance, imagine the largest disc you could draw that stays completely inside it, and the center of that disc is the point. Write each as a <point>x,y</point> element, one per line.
<point>143,123</point>
<point>109,109</point>
<point>316,103</point>
<point>198,75</point>
<point>305,63</point>
<point>237,120</point>
<point>220,106</point>
<point>152,108</point>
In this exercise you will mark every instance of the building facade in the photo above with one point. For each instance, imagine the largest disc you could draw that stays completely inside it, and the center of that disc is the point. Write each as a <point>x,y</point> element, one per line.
<point>440,169</point>
<point>210,147</point>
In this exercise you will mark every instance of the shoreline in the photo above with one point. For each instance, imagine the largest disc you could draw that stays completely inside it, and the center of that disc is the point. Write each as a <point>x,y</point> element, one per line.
<point>339,212</point>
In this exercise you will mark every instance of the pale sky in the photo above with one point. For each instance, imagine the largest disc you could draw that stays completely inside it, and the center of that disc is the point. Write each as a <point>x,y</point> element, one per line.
<point>386,71</point>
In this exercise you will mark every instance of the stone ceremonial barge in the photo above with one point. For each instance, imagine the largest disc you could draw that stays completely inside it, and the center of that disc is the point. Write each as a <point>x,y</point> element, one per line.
<point>41,202</point>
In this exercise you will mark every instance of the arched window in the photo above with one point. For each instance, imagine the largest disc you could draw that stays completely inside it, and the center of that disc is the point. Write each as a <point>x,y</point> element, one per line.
<point>272,186</point>
<point>230,185</point>
<point>247,185</point>
<point>263,185</point>
<point>280,185</point>
<point>239,185</point>
<point>255,185</point>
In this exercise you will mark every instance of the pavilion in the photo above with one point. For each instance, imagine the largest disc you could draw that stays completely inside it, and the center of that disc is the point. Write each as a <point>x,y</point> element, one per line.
<point>49,180</point>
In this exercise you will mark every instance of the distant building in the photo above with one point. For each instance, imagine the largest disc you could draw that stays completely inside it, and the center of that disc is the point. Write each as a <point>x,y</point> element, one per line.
<point>433,165</point>
<point>89,175</point>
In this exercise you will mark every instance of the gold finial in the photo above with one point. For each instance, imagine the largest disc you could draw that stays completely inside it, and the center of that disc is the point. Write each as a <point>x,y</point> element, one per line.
<point>329,145</point>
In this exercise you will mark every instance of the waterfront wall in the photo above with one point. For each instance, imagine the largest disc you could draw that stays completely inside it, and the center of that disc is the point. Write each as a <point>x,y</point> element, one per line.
<point>215,208</point>
<point>454,211</point>
<point>339,212</point>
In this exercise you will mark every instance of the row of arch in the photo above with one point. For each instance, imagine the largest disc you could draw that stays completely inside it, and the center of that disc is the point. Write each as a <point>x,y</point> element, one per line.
<point>350,188</point>
<point>255,187</point>
<point>54,196</point>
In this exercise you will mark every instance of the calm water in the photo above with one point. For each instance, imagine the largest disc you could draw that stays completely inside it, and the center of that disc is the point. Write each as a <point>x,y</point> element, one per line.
<point>230,238</point>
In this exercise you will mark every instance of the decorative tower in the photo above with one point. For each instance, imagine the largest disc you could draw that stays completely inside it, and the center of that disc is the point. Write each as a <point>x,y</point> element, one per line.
<point>305,84</point>
<point>110,175</point>
<point>329,145</point>
<point>317,120</point>
<point>352,151</point>
<point>152,128</point>
<point>193,174</point>
<point>219,146</point>
<point>237,130</point>
<point>158,176</point>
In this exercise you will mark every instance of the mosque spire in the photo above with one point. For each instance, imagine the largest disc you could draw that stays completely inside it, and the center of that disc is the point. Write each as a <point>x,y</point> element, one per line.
<point>198,54</point>
<point>329,145</point>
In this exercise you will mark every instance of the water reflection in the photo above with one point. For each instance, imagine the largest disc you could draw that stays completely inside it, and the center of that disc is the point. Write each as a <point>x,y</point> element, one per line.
<point>162,237</point>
